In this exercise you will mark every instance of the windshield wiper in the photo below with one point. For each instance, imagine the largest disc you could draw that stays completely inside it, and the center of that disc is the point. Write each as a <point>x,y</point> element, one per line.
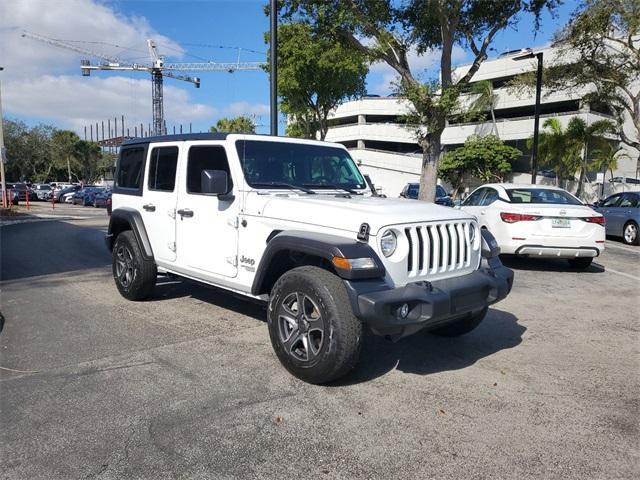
<point>335,187</point>
<point>282,184</point>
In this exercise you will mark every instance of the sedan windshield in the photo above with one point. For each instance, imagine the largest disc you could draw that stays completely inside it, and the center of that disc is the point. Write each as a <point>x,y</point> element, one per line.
<point>296,165</point>
<point>541,196</point>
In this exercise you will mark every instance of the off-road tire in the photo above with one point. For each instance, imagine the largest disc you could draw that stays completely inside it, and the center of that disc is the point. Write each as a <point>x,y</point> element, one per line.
<point>627,236</point>
<point>580,263</point>
<point>320,290</point>
<point>462,326</point>
<point>134,275</point>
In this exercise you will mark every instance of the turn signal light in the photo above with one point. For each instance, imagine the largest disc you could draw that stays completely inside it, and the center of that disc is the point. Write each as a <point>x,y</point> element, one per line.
<point>599,220</point>
<point>353,263</point>
<point>518,217</point>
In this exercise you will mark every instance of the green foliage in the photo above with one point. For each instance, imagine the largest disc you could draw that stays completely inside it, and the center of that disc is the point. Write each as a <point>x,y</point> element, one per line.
<point>239,124</point>
<point>388,31</point>
<point>601,43</point>
<point>486,158</point>
<point>43,153</point>
<point>564,149</point>
<point>606,158</point>
<point>315,74</point>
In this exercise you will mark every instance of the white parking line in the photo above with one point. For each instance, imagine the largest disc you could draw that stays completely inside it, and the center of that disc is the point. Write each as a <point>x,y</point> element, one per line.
<point>615,246</point>
<point>611,270</point>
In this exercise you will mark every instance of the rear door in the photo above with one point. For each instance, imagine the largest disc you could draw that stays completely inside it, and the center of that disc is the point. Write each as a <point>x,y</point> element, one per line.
<point>623,212</point>
<point>608,209</point>
<point>160,197</point>
<point>206,226</point>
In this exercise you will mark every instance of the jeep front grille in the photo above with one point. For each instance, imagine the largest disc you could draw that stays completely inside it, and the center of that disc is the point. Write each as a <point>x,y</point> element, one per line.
<point>438,248</point>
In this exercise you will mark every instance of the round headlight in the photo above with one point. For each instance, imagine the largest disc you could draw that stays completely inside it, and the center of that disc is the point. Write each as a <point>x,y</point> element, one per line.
<point>472,233</point>
<point>388,243</point>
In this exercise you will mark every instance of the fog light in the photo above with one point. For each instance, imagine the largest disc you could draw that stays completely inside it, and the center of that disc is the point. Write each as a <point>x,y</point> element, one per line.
<point>403,311</point>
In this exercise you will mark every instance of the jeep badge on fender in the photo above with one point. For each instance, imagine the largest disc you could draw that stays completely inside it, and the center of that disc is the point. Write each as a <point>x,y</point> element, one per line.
<point>328,256</point>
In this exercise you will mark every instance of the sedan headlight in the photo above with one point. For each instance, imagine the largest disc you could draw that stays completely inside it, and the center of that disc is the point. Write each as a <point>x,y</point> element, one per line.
<point>388,243</point>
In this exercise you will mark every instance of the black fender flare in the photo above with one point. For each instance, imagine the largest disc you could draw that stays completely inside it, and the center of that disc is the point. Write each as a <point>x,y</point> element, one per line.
<point>126,218</point>
<point>320,245</point>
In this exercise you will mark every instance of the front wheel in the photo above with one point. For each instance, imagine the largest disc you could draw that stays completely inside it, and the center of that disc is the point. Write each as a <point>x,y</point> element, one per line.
<point>134,275</point>
<point>313,331</point>
<point>580,263</point>
<point>630,234</point>
<point>462,326</point>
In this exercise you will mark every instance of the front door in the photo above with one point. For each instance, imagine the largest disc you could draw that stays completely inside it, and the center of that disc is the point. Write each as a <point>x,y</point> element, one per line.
<point>160,196</point>
<point>207,228</point>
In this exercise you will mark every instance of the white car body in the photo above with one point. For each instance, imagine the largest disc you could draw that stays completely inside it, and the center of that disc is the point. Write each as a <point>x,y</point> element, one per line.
<point>67,197</point>
<point>530,228</point>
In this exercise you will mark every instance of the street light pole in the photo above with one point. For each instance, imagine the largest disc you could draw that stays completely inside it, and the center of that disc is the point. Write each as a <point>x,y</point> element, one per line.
<point>536,126</point>
<point>2,152</point>
<point>273,65</point>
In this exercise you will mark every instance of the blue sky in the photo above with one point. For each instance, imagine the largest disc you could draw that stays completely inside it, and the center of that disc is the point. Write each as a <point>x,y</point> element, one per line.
<point>42,83</point>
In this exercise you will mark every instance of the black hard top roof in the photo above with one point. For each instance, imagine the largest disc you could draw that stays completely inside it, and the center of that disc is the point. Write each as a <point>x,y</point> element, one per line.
<point>177,138</point>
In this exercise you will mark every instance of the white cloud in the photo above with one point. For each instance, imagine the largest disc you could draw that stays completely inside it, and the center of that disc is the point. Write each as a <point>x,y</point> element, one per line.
<point>38,79</point>
<point>246,108</point>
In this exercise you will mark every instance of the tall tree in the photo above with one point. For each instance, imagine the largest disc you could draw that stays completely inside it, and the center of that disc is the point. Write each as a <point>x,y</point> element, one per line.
<point>484,98</point>
<point>63,147</point>
<point>606,158</point>
<point>239,124</point>
<point>602,44</point>
<point>315,74</point>
<point>388,31</point>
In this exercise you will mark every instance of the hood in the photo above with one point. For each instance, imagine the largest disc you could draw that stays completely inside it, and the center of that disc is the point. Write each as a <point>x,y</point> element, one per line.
<point>349,213</point>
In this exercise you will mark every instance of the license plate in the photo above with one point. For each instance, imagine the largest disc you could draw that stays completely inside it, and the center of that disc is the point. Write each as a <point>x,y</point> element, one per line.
<point>560,223</point>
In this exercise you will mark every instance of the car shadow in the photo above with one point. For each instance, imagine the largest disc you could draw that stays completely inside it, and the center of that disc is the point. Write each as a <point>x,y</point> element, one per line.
<point>546,264</point>
<point>168,288</point>
<point>426,354</point>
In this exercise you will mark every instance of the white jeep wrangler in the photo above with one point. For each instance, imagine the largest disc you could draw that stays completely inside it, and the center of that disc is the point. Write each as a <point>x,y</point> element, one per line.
<point>293,222</point>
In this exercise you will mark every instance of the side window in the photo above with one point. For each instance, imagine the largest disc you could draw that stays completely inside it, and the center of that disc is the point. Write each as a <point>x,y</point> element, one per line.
<point>611,201</point>
<point>205,158</point>
<point>474,199</point>
<point>162,169</point>
<point>490,197</point>
<point>130,168</point>
<point>629,200</point>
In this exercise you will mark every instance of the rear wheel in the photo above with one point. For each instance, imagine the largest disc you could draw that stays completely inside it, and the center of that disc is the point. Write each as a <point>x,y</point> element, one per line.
<point>462,326</point>
<point>630,234</point>
<point>581,263</point>
<point>313,331</point>
<point>135,276</point>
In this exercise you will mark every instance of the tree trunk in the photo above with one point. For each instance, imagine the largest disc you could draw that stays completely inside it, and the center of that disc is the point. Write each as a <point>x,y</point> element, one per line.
<point>493,119</point>
<point>69,167</point>
<point>429,176</point>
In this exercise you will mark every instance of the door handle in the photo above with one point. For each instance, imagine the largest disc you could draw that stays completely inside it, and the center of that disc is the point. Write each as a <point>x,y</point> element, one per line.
<point>149,207</point>
<point>185,212</point>
<point>482,212</point>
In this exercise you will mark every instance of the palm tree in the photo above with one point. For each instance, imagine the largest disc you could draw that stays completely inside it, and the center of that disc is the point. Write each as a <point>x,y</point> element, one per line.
<point>606,157</point>
<point>485,100</point>
<point>590,137</point>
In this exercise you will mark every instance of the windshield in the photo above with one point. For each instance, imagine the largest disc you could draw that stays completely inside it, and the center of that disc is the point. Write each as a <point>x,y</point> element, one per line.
<point>286,165</point>
<point>541,196</point>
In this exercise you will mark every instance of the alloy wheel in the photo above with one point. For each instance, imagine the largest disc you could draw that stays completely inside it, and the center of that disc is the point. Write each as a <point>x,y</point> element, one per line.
<point>630,233</point>
<point>125,268</point>
<point>301,327</point>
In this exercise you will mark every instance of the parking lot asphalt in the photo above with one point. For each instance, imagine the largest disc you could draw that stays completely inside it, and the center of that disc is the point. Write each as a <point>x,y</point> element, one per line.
<point>187,386</point>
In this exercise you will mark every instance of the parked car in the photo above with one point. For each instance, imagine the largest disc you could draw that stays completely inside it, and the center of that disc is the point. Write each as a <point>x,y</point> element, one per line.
<point>442,197</point>
<point>15,196</point>
<point>293,222</point>
<point>41,190</point>
<point>538,221</point>
<point>60,193</point>
<point>622,213</point>
<point>22,191</point>
<point>100,198</point>
<point>627,180</point>
<point>85,195</point>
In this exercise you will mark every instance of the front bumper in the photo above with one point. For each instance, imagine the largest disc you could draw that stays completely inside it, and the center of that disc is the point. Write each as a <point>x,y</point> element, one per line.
<point>431,304</point>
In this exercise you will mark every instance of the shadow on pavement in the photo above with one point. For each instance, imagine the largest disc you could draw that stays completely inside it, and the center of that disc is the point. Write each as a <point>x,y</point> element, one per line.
<point>425,354</point>
<point>168,288</point>
<point>51,247</point>
<point>546,264</point>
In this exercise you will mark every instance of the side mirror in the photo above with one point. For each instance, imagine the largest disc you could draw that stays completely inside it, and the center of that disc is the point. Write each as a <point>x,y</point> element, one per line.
<point>215,182</point>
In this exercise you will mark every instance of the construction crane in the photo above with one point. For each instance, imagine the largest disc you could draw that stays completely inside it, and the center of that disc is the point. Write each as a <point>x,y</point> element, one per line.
<point>158,70</point>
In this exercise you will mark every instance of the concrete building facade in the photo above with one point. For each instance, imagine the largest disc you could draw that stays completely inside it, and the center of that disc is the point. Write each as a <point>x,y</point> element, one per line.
<point>373,130</point>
